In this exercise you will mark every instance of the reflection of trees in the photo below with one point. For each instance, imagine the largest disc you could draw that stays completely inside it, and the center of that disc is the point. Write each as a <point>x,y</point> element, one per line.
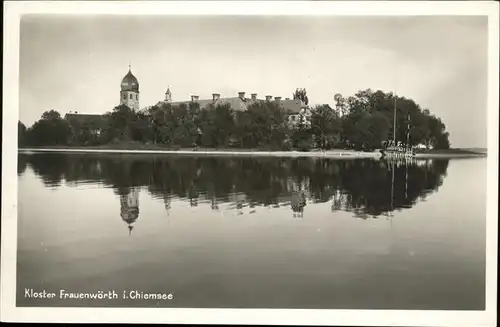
<point>22,163</point>
<point>49,167</point>
<point>366,187</point>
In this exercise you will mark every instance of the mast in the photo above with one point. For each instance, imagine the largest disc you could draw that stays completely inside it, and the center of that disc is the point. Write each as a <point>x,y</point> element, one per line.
<point>406,180</point>
<point>395,101</point>
<point>394,126</point>
<point>392,191</point>
<point>408,132</point>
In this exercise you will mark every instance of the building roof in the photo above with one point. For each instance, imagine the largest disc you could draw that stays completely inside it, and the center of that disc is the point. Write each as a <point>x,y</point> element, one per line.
<point>292,105</point>
<point>130,82</point>
<point>85,118</point>
<point>240,104</point>
<point>129,214</point>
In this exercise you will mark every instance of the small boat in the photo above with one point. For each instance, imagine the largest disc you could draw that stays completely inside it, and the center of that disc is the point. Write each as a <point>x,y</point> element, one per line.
<point>398,152</point>
<point>393,149</point>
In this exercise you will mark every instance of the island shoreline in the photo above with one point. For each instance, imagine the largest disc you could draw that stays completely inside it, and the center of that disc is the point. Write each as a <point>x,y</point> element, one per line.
<point>340,154</point>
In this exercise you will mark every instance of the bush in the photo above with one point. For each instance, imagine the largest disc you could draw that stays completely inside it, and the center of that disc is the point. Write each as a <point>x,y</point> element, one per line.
<point>287,145</point>
<point>305,145</point>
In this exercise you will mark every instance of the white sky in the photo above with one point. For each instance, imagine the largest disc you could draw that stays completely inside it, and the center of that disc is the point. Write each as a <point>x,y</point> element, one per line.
<point>76,63</point>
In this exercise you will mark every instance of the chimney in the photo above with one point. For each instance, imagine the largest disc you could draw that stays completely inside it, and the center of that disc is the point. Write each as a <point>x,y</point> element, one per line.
<point>194,98</point>
<point>215,97</point>
<point>268,98</point>
<point>254,96</point>
<point>241,95</point>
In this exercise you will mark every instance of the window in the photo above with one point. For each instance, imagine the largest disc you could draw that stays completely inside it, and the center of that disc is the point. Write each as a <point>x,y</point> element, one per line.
<point>131,96</point>
<point>137,97</point>
<point>124,96</point>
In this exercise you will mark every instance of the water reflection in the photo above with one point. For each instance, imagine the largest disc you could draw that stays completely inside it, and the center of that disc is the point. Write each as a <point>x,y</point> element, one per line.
<point>253,232</point>
<point>129,206</point>
<point>368,188</point>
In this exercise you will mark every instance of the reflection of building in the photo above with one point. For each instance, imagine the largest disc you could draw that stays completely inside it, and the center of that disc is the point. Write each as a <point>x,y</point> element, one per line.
<point>214,204</point>
<point>168,203</point>
<point>298,202</point>
<point>293,185</point>
<point>129,207</point>
<point>237,200</point>
<point>339,200</point>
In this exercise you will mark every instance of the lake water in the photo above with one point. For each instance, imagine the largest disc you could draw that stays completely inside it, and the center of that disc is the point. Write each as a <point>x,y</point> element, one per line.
<point>252,232</point>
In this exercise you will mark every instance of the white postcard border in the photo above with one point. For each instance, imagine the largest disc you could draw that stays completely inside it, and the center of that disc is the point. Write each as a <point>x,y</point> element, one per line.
<point>9,312</point>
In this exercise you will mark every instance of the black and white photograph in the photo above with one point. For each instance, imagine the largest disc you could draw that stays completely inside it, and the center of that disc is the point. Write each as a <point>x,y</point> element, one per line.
<point>313,163</point>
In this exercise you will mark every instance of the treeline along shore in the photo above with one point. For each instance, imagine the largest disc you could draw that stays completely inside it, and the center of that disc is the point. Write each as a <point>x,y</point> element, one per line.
<point>137,149</point>
<point>357,126</point>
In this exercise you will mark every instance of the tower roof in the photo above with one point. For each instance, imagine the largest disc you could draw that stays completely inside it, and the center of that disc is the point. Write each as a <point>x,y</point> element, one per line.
<point>129,82</point>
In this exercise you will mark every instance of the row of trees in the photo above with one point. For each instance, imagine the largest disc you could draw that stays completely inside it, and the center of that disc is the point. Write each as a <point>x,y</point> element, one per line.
<point>366,122</point>
<point>369,121</point>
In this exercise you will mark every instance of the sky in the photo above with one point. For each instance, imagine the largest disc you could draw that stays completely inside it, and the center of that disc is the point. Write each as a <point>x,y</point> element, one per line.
<point>76,63</point>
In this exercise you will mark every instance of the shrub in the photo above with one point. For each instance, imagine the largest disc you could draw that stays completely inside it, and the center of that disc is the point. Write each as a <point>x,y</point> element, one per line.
<point>287,145</point>
<point>305,145</point>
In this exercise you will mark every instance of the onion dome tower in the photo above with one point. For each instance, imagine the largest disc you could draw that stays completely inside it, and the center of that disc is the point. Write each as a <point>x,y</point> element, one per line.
<point>129,93</point>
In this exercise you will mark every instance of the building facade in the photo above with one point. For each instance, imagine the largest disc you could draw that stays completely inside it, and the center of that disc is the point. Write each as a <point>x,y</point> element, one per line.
<point>298,111</point>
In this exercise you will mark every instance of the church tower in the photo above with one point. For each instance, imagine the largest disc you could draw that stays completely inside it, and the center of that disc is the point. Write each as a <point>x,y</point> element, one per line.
<point>168,96</point>
<point>129,94</point>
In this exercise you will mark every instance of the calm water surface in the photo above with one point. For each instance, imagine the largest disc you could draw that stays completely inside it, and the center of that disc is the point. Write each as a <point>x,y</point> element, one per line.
<point>253,232</point>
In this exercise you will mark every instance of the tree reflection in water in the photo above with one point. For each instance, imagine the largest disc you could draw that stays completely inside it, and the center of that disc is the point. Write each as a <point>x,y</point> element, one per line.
<point>368,188</point>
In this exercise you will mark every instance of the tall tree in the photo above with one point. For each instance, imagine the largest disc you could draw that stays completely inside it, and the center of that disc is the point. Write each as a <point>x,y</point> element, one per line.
<point>51,115</point>
<point>325,126</point>
<point>301,94</point>
<point>423,128</point>
<point>21,134</point>
<point>264,124</point>
<point>51,129</point>
<point>120,123</point>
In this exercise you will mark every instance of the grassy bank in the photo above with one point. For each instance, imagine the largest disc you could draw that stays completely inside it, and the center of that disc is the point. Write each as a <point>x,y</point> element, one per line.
<point>131,147</point>
<point>162,147</point>
<point>451,153</point>
<point>152,149</point>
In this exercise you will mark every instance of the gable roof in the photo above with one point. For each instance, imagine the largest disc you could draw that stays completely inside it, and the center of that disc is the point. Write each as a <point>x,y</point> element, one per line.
<point>292,105</point>
<point>85,118</point>
<point>239,104</point>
